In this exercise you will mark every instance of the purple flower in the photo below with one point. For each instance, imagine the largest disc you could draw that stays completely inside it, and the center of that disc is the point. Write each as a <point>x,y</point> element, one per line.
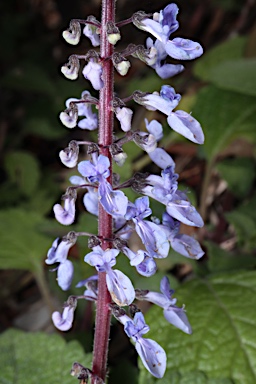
<point>183,49</point>
<point>183,123</point>
<point>93,72</point>
<point>64,322</point>
<point>66,215</point>
<point>114,202</point>
<point>155,128</point>
<point>58,253</point>
<point>180,121</point>
<point>173,314</point>
<point>151,353</point>
<point>147,267</point>
<point>165,71</point>
<point>164,102</point>
<point>95,170</point>
<point>91,201</point>
<point>135,258</point>
<point>181,243</point>
<point>164,190</point>
<point>119,285</point>
<point>163,24</point>
<point>151,235</point>
<point>159,156</point>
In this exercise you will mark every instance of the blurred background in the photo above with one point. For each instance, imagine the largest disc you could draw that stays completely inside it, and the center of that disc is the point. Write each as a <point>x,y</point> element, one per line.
<point>220,90</point>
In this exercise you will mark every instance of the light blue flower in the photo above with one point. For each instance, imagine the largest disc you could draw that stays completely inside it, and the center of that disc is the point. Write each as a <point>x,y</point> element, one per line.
<point>173,314</point>
<point>164,70</point>
<point>119,285</point>
<point>181,243</point>
<point>151,353</point>
<point>164,189</point>
<point>151,235</point>
<point>66,215</point>
<point>114,202</point>
<point>58,253</point>
<point>64,322</point>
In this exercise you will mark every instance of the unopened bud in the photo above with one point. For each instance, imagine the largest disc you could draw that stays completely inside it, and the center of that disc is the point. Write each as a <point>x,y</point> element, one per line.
<point>69,155</point>
<point>118,155</point>
<point>71,69</point>
<point>145,141</point>
<point>72,35</point>
<point>69,116</point>
<point>121,64</point>
<point>113,33</point>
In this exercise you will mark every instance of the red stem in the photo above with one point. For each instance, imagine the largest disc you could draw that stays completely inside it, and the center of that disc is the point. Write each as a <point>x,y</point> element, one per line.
<point>105,229</point>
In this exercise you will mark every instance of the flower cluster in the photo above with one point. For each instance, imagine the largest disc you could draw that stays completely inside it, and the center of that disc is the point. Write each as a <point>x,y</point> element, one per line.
<point>102,190</point>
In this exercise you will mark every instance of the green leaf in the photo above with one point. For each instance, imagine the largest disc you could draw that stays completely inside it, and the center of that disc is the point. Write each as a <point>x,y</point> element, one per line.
<point>239,174</point>
<point>244,221</point>
<point>22,244</point>
<point>23,170</point>
<point>29,358</point>
<point>221,260</point>
<point>229,50</point>
<point>238,76</point>
<point>221,311</point>
<point>184,378</point>
<point>224,116</point>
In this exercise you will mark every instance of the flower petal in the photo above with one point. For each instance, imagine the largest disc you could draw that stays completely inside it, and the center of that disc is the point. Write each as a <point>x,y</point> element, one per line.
<point>183,123</point>
<point>120,288</point>
<point>152,355</point>
<point>177,317</point>
<point>65,275</point>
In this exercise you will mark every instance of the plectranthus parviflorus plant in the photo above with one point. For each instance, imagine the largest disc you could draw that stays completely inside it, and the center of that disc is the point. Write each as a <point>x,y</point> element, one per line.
<point>118,218</point>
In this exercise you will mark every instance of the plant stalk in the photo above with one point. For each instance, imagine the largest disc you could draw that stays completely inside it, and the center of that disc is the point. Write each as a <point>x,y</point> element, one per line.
<point>105,228</point>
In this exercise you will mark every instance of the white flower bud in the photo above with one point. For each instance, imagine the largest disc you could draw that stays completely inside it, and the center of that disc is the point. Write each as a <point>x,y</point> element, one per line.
<point>69,72</point>
<point>113,38</point>
<point>124,115</point>
<point>69,155</point>
<point>145,141</point>
<point>69,117</point>
<point>72,35</point>
<point>113,33</point>
<point>123,67</point>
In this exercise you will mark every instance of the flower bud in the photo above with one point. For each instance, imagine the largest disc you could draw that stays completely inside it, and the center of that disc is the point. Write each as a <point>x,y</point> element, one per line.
<point>124,115</point>
<point>69,116</point>
<point>121,64</point>
<point>113,33</point>
<point>69,155</point>
<point>145,141</point>
<point>118,155</point>
<point>72,35</point>
<point>70,70</point>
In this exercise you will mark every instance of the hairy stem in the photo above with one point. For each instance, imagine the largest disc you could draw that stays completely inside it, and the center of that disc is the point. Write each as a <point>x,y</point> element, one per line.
<point>106,122</point>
